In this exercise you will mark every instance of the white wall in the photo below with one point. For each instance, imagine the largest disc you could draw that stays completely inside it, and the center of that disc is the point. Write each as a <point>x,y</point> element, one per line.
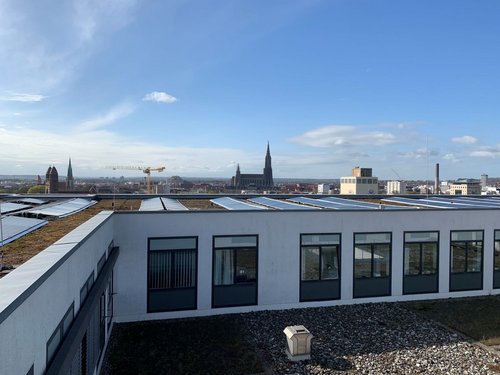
<point>25,332</point>
<point>279,237</point>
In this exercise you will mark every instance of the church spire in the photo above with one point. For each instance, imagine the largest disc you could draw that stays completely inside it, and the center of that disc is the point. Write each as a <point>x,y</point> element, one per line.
<point>70,170</point>
<point>268,169</point>
<point>70,181</point>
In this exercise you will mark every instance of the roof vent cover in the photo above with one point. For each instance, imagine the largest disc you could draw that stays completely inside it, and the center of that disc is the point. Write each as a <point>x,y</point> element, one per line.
<point>298,343</point>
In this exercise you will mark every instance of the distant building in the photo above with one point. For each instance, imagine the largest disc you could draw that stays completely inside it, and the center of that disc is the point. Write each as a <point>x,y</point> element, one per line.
<point>70,182</point>
<point>465,186</point>
<point>255,181</point>
<point>325,189</point>
<point>396,187</point>
<point>51,180</point>
<point>361,182</point>
<point>484,181</point>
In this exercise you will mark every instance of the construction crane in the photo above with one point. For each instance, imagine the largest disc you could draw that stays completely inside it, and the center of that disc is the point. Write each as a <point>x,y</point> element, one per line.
<point>146,170</point>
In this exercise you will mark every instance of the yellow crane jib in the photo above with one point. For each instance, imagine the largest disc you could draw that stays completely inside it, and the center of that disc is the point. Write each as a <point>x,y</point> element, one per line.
<point>146,170</point>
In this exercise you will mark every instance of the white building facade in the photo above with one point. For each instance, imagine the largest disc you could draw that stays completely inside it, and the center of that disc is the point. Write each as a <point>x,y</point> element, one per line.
<point>135,266</point>
<point>396,187</point>
<point>360,183</point>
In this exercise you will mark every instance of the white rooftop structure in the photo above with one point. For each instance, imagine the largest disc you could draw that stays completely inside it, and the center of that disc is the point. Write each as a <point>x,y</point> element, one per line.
<point>138,266</point>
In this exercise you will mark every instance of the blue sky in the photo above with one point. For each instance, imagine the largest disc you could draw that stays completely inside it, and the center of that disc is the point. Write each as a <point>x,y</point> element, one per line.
<point>199,86</point>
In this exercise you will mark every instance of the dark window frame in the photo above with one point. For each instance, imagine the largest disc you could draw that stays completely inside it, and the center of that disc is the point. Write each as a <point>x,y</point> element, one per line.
<point>494,247</point>
<point>171,251</point>
<point>421,251</point>
<point>87,286</point>
<point>110,302</point>
<point>372,244</point>
<point>100,263</point>
<point>256,282</point>
<point>466,263</point>
<point>339,260</point>
<point>320,246</point>
<point>59,331</point>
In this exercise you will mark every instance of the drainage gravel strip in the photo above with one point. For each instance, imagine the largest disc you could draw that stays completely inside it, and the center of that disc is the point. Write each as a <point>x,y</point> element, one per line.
<point>382,338</point>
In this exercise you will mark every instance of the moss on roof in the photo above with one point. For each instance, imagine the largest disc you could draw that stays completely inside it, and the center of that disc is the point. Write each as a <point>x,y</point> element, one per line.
<point>26,247</point>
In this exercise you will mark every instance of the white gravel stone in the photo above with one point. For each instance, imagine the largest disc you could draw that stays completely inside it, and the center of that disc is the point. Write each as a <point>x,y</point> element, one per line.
<point>383,338</point>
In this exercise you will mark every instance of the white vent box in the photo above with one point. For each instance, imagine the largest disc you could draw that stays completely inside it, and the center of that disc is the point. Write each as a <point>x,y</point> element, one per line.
<point>299,343</point>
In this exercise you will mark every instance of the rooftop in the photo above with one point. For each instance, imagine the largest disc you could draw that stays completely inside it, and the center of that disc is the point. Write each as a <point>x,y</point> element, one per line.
<point>366,339</point>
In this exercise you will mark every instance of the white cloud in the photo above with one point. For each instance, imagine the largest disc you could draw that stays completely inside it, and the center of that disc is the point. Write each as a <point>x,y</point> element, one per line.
<point>465,140</point>
<point>420,153</point>
<point>92,150</point>
<point>343,135</point>
<point>22,97</point>
<point>91,16</point>
<point>108,118</point>
<point>43,54</point>
<point>451,157</point>
<point>486,152</point>
<point>160,97</point>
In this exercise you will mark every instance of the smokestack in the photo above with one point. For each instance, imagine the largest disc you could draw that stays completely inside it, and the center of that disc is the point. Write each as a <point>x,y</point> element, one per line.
<point>436,181</point>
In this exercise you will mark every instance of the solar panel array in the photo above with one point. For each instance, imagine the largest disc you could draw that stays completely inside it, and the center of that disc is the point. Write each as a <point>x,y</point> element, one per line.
<point>366,205</point>
<point>31,201</point>
<point>14,227</point>
<point>152,204</point>
<point>173,205</point>
<point>325,204</point>
<point>65,208</point>
<point>234,204</point>
<point>7,207</point>
<point>280,205</point>
<point>448,203</point>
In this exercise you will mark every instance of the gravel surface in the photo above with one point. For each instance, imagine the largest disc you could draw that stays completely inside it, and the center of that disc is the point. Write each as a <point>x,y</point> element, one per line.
<point>383,338</point>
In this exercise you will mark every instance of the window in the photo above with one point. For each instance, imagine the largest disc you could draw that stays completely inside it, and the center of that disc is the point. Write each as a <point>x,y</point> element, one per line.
<point>372,255</point>
<point>172,273</point>
<point>102,322</point>
<point>234,270</point>
<point>421,253</point>
<point>109,297</point>
<point>497,251</point>
<point>466,251</point>
<point>372,264</point>
<point>100,263</point>
<point>496,261</point>
<point>421,270</point>
<point>235,260</point>
<point>319,267</point>
<point>60,333</point>
<point>320,257</point>
<point>85,289</point>
<point>466,263</point>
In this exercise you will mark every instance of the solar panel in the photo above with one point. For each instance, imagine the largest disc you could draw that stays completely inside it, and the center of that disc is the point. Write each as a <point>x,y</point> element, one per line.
<point>14,227</point>
<point>418,202</point>
<point>351,202</point>
<point>280,205</point>
<point>487,198</point>
<point>325,204</point>
<point>31,201</point>
<point>7,207</point>
<point>479,201</point>
<point>173,205</point>
<point>65,208</point>
<point>151,204</point>
<point>453,203</point>
<point>410,201</point>
<point>234,204</point>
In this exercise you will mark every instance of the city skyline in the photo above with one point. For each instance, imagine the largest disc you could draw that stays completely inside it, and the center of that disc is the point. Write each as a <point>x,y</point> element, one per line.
<point>202,87</point>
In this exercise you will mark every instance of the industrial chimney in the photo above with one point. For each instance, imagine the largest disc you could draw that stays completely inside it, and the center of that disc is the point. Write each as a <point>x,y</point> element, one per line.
<point>436,181</point>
